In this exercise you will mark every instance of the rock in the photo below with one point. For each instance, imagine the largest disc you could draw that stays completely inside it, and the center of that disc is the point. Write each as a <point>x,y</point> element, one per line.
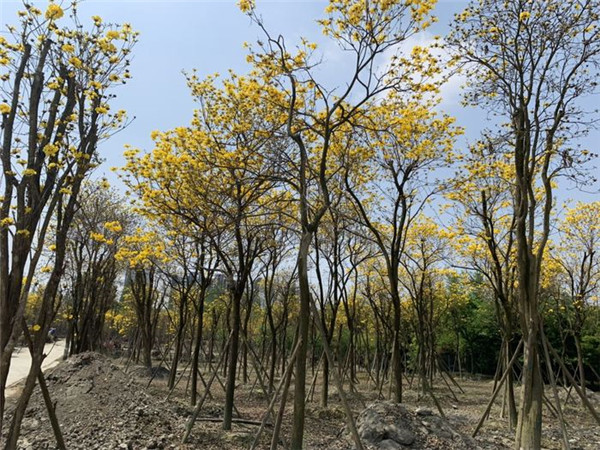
<point>400,435</point>
<point>24,444</point>
<point>391,426</point>
<point>389,444</point>
<point>421,411</point>
<point>30,424</point>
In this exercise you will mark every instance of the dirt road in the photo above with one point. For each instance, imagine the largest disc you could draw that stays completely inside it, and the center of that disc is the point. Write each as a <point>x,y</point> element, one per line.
<point>21,361</point>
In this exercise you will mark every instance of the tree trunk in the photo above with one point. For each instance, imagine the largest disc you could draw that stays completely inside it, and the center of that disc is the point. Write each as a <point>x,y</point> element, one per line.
<point>397,369</point>
<point>177,354</point>
<point>529,426</point>
<point>325,388</point>
<point>146,348</point>
<point>197,348</point>
<point>233,356</point>
<point>303,324</point>
<point>510,388</point>
<point>580,367</point>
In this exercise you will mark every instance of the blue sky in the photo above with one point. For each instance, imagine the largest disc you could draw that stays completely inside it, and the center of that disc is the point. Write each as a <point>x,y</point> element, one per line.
<point>209,36</point>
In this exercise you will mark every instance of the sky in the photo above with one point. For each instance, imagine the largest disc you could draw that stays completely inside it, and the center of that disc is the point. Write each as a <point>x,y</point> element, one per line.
<point>181,35</point>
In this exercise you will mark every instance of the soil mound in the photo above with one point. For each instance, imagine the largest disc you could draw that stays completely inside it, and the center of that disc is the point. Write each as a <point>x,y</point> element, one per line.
<point>154,372</point>
<point>391,426</point>
<point>100,407</point>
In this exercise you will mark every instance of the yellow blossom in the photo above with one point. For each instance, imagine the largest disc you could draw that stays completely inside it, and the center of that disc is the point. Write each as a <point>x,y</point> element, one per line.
<point>6,221</point>
<point>115,226</point>
<point>112,34</point>
<point>50,150</point>
<point>75,61</point>
<point>246,5</point>
<point>98,237</point>
<point>54,11</point>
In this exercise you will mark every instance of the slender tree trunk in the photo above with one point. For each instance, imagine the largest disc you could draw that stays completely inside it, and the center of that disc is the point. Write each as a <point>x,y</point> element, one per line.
<point>233,356</point>
<point>510,389</point>
<point>397,369</point>
<point>325,387</point>
<point>580,367</point>
<point>273,362</point>
<point>197,348</point>
<point>177,353</point>
<point>146,348</point>
<point>304,325</point>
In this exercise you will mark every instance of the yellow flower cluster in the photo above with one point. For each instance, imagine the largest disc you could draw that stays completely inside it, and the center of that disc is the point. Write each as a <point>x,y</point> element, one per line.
<point>246,5</point>
<point>50,150</point>
<point>114,226</point>
<point>54,12</point>
<point>6,222</point>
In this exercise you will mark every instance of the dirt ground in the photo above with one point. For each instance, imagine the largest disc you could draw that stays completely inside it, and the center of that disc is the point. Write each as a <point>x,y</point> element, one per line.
<point>102,403</point>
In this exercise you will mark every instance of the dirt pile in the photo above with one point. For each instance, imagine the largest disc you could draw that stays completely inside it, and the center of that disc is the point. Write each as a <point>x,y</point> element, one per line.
<point>386,425</point>
<point>100,407</point>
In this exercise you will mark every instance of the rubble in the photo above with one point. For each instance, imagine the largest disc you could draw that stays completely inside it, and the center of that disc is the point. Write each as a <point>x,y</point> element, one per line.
<point>386,425</point>
<point>100,407</point>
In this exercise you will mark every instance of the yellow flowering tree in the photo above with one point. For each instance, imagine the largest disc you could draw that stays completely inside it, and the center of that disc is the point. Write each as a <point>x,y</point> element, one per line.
<point>577,258</point>
<point>91,271</point>
<point>215,176</point>
<point>386,178</point>
<point>316,114</point>
<point>143,251</point>
<point>484,227</point>
<point>426,246</point>
<point>57,81</point>
<point>339,250</point>
<point>527,62</point>
<point>187,274</point>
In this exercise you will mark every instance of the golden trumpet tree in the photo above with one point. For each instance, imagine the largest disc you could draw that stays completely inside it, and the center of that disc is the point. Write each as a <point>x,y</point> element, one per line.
<point>531,63</point>
<point>215,175</point>
<point>56,85</point>
<point>388,176</point>
<point>92,270</point>
<point>481,195</point>
<point>370,34</point>
<point>421,272</point>
<point>144,251</point>
<point>579,264</point>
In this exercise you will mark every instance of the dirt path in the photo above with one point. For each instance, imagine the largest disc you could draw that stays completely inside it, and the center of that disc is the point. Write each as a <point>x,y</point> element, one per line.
<point>21,361</point>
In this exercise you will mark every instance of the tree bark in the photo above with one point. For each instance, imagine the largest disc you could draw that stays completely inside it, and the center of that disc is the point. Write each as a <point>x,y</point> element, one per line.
<point>233,356</point>
<point>303,324</point>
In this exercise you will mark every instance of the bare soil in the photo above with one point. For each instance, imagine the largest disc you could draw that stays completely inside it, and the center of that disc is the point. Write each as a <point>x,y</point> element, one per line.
<point>100,405</point>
